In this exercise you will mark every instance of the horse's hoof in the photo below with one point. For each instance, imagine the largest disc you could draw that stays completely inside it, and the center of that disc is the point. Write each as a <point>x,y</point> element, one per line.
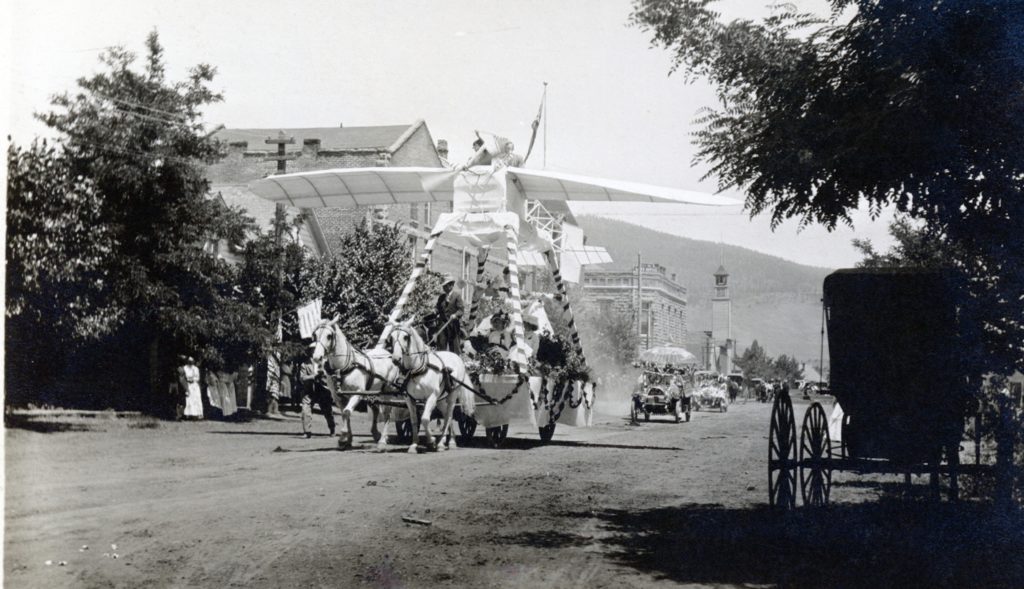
<point>376,436</point>
<point>412,450</point>
<point>381,447</point>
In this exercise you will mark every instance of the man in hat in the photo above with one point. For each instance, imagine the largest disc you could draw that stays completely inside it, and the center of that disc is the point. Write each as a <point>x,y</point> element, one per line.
<point>448,313</point>
<point>315,389</point>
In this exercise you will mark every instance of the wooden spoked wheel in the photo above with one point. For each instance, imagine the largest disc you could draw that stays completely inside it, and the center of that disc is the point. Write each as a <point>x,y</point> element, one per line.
<point>547,432</point>
<point>497,435</point>
<point>782,454</point>
<point>815,457</point>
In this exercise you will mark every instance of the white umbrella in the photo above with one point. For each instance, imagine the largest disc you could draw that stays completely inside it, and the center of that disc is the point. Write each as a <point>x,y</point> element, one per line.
<point>668,355</point>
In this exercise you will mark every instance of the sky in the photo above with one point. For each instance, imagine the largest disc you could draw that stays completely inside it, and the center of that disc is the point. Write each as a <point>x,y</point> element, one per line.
<point>612,109</point>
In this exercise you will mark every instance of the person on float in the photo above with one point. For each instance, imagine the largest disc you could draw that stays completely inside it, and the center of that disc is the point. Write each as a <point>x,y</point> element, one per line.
<point>500,335</point>
<point>448,312</point>
<point>481,156</point>
<point>508,156</point>
<point>531,342</point>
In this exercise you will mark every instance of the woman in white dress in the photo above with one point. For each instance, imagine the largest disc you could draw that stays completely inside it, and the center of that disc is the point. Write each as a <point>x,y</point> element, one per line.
<point>193,398</point>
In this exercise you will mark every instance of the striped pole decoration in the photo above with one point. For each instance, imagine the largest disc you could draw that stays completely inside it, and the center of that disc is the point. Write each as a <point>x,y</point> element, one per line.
<point>514,297</point>
<point>562,297</point>
<point>403,299</point>
<point>481,261</point>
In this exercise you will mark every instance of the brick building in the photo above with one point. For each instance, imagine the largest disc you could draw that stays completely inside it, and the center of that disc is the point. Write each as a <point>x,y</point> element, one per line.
<point>663,301</point>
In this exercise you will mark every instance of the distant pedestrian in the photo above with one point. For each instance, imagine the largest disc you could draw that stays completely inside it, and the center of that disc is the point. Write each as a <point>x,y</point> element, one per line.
<point>675,398</point>
<point>193,396</point>
<point>734,390</point>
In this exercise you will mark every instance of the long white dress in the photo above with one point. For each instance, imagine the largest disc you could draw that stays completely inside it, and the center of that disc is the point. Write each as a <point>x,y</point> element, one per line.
<point>193,397</point>
<point>228,400</point>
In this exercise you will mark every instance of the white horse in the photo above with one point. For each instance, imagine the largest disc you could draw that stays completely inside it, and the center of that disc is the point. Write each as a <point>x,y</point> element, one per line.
<point>431,377</point>
<point>356,370</point>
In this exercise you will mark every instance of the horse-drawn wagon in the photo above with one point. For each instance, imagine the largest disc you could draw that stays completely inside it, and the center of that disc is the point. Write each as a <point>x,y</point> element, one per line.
<point>500,204</point>
<point>897,374</point>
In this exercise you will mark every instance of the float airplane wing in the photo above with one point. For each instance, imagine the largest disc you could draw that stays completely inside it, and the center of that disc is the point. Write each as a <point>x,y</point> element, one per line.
<point>349,187</point>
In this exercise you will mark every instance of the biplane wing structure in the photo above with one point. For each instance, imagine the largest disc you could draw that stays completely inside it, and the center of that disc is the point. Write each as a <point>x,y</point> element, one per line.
<point>485,200</point>
<point>350,187</point>
<point>546,185</point>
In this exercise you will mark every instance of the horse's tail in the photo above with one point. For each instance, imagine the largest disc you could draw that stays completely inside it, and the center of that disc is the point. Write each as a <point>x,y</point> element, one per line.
<point>465,397</point>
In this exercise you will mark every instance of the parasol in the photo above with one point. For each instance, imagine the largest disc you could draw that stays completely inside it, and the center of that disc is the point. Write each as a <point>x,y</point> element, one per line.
<point>668,355</point>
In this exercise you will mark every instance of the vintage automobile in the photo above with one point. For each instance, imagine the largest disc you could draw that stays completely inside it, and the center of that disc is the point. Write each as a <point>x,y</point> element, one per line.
<point>652,396</point>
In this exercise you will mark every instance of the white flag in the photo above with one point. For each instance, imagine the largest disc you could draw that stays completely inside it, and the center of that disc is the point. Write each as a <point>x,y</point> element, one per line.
<point>309,318</point>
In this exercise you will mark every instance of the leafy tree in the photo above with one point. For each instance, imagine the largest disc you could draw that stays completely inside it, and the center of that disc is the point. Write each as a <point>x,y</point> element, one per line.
<point>56,245</point>
<point>755,362</point>
<point>57,242</point>
<point>908,103</point>
<point>786,368</point>
<point>138,138</point>
<point>362,281</point>
<point>916,245</point>
<point>275,276</point>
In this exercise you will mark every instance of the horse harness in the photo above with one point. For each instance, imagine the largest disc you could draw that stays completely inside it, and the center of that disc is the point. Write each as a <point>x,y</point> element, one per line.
<point>371,375</point>
<point>446,372</point>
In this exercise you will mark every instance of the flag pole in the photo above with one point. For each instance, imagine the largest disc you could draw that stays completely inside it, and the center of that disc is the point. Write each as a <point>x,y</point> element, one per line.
<point>544,103</point>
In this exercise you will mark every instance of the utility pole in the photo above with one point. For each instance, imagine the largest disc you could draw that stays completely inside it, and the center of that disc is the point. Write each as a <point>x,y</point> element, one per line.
<point>281,158</point>
<point>821,350</point>
<point>639,302</point>
<point>279,219</point>
<point>544,162</point>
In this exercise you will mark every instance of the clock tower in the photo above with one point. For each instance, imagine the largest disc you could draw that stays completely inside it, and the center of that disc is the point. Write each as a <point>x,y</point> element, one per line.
<point>721,323</point>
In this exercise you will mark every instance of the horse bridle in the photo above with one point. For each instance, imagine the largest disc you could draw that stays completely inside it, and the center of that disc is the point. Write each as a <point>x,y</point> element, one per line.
<point>351,359</point>
<point>424,355</point>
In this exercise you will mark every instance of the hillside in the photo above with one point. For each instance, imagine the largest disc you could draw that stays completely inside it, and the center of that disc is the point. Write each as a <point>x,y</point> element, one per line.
<point>775,301</point>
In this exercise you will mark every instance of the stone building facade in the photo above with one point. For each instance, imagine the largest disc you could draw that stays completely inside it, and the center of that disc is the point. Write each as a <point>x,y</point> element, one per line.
<point>663,301</point>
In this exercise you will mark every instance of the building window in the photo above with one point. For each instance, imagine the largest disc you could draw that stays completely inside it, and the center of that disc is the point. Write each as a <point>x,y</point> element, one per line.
<point>604,306</point>
<point>645,318</point>
<point>412,247</point>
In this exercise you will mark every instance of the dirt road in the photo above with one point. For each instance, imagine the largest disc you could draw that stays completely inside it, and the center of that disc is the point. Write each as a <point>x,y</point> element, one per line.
<point>213,504</point>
